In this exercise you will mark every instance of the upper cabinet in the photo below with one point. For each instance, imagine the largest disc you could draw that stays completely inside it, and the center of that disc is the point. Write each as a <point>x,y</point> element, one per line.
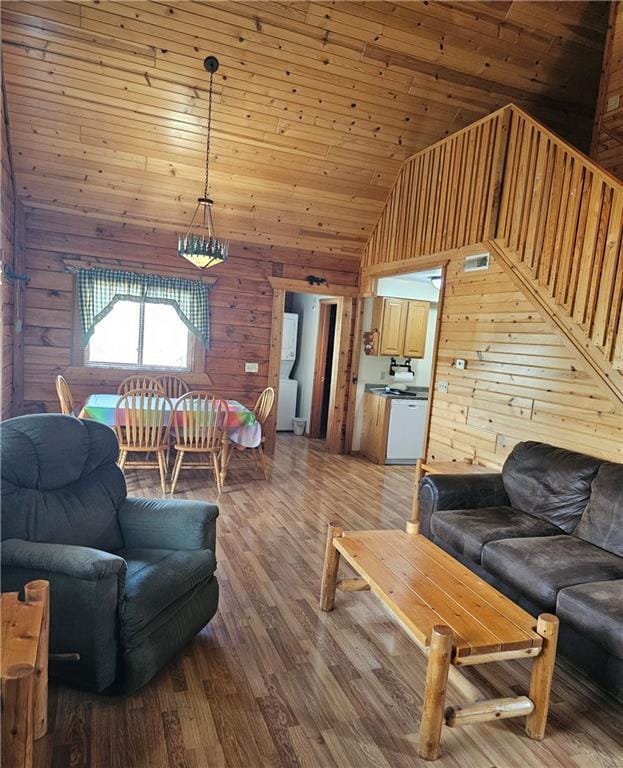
<point>398,327</point>
<point>415,329</point>
<point>392,327</point>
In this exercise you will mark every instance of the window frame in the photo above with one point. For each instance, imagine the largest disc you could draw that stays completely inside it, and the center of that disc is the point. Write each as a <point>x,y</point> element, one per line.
<point>196,352</point>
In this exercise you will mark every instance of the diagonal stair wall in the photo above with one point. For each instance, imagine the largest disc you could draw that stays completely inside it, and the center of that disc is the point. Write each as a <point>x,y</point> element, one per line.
<point>542,330</point>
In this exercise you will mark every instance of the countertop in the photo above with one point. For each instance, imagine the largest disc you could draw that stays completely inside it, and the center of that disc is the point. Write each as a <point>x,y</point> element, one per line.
<point>411,393</point>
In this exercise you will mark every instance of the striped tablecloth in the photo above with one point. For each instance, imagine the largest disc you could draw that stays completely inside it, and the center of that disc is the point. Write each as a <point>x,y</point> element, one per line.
<point>242,426</point>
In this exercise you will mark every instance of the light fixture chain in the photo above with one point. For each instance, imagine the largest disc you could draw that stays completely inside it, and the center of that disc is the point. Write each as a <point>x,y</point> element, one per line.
<point>205,190</point>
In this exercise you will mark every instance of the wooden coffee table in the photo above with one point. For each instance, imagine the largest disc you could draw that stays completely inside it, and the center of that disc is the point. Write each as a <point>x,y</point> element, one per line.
<point>454,616</point>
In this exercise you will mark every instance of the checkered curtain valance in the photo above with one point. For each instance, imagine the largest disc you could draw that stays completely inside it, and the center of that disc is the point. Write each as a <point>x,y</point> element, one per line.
<point>99,289</point>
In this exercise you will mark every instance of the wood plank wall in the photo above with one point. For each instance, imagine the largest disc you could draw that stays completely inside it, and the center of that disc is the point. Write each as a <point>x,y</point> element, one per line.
<point>607,147</point>
<point>444,197</point>
<point>543,337</point>
<point>241,300</point>
<point>521,381</point>
<point>7,220</point>
<point>561,224</point>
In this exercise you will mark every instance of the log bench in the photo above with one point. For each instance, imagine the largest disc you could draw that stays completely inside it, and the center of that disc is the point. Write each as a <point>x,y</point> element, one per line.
<point>454,616</point>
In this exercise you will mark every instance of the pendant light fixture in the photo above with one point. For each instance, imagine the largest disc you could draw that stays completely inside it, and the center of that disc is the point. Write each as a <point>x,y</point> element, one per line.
<point>200,245</point>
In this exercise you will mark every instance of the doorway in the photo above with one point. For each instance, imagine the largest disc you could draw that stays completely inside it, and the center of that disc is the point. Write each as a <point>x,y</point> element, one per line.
<point>323,369</point>
<point>397,366</point>
<point>339,417</point>
<point>309,366</point>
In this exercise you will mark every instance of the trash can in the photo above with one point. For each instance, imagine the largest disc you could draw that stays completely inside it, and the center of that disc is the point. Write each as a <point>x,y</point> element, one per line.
<point>299,426</point>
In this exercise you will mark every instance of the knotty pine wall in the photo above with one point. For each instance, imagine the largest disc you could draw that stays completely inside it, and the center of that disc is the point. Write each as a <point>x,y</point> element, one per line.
<point>240,302</point>
<point>521,381</point>
<point>607,146</point>
<point>7,219</point>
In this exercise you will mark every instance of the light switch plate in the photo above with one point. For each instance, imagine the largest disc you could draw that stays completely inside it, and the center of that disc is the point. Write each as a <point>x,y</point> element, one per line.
<point>613,102</point>
<point>442,386</point>
<point>460,364</point>
<point>251,368</point>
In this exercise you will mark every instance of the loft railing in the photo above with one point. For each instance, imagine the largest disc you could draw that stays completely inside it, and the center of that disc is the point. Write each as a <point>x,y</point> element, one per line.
<point>445,196</point>
<point>547,209</point>
<point>561,216</point>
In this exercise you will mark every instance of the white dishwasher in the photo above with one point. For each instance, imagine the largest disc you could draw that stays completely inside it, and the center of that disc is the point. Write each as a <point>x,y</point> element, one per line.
<point>407,426</point>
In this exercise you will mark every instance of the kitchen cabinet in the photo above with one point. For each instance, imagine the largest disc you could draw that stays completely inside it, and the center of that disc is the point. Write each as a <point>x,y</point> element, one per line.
<point>376,412</point>
<point>392,327</point>
<point>415,329</point>
<point>398,327</point>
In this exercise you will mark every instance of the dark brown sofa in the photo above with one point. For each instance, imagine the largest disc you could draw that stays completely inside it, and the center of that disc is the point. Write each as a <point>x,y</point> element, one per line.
<point>548,532</point>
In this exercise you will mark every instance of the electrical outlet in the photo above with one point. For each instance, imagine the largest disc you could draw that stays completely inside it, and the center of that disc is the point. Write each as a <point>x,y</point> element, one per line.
<point>460,364</point>
<point>383,375</point>
<point>613,103</point>
<point>442,386</point>
<point>251,368</point>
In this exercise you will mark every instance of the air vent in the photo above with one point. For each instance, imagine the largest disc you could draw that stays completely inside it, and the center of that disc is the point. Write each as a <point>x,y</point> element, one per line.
<point>476,262</point>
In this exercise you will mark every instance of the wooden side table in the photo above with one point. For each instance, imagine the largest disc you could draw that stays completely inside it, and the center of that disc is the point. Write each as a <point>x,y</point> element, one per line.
<point>24,664</point>
<point>423,467</point>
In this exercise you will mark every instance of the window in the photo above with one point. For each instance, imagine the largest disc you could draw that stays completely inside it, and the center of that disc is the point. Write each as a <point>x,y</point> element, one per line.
<point>140,321</point>
<point>141,334</point>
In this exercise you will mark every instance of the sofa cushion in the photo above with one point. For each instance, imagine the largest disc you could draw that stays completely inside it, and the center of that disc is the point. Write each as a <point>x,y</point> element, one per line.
<point>595,610</point>
<point>540,567</point>
<point>60,481</point>
<point>549,482</point>
<point>156,579</point>
<point>468,530</point>
<point>602,521</point>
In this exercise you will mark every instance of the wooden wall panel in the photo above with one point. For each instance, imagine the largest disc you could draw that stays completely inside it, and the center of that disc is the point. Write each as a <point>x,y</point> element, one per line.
<point>521,381</point>
<point>316,103</point>
<point>241,300</point>
<point>607,148</point>
<point>560,227</point>
<point>7,229</point>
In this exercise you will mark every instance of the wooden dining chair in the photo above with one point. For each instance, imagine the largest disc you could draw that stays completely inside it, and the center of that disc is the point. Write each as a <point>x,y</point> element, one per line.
<point>262,410</point>
<point>139,382</point>
<point>199,422</point>
<point>65,398</point>
<point>173,386</point>
<point>142,423</point>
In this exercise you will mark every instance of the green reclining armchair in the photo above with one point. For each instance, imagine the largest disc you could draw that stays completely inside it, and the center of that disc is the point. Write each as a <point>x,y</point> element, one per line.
<point>131,580</point>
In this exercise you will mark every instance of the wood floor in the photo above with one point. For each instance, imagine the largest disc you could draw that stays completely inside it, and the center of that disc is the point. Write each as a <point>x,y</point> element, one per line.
<point>273,682</point>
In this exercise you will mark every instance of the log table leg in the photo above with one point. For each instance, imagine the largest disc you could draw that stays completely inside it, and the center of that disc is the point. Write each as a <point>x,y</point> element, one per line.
<point>17,716</point>
<point>542,673</point>
<point>329,571</point>
<point>440,655</point>
<point>413,525</point>
<point>39,592</point>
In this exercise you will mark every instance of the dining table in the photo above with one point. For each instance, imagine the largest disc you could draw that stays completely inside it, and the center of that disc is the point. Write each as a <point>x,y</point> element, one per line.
<point>242,428</point>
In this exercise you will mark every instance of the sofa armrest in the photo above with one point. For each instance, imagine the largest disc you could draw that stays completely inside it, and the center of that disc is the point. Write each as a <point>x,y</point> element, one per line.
<point>85,589</point>
<point>168,523</point>
<point>459,492</point>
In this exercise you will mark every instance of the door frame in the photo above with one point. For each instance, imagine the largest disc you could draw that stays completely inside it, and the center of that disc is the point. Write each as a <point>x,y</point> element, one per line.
<point>341,403</point>
<point>371,277</point>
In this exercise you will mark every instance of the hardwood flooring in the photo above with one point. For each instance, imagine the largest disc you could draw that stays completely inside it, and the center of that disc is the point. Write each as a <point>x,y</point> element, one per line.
<point>273,682</point>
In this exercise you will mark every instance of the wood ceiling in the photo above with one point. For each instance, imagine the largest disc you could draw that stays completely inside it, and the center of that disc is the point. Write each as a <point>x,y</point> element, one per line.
<point>317,104</point>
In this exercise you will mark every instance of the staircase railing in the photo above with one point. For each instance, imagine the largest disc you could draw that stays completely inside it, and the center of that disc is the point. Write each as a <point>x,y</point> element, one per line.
<point>561,216</point>
<point>550,212</point>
